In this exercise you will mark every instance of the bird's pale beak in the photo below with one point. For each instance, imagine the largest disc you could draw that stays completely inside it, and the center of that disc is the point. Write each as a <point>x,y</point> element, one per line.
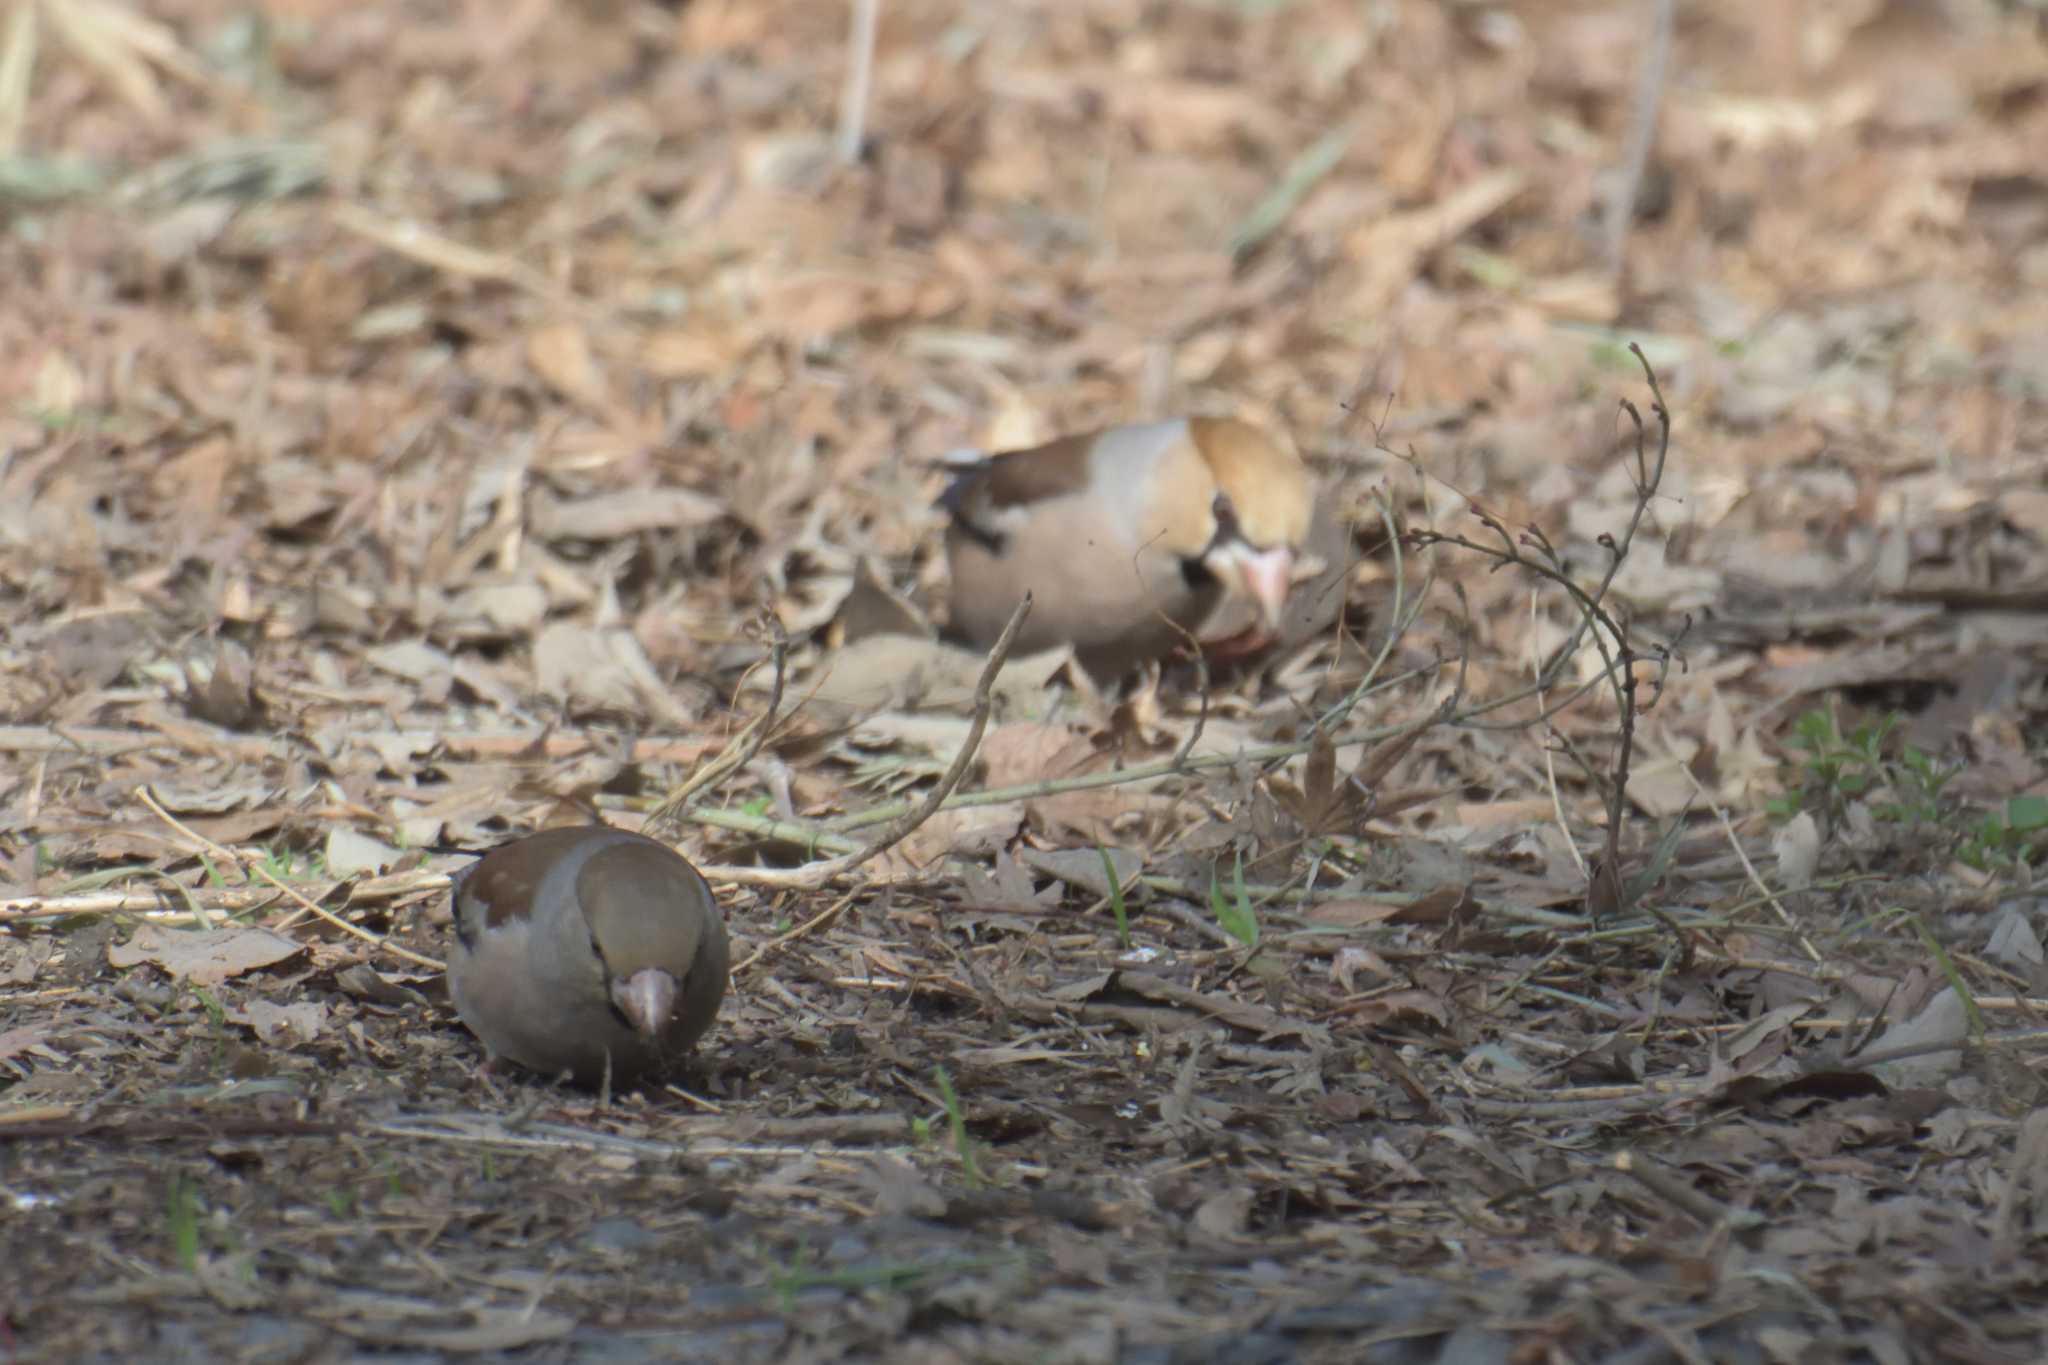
<point>1267,574</point>
<point>647,998</point>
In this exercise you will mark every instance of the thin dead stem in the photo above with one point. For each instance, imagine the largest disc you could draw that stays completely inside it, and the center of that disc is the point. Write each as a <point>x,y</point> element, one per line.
<point>1533,552</point>
<point>666,819</point>
<point>804,930</point>
<point>202,844</point>
<point>813,875</point>
<point>1028,791</point>
<point>860,67</point>
<point>1628,183</point>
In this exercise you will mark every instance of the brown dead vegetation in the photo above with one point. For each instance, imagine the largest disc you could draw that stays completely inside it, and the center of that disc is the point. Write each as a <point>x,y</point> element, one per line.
<point>421,422</point>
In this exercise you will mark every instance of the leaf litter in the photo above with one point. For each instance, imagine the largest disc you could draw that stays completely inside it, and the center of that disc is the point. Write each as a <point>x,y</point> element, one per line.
<point>423,424</point>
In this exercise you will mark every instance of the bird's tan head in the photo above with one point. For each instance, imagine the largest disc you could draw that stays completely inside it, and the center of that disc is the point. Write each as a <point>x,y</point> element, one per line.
<point>1267,485</point>
<point>631,894</point>
<point>1259,516</point>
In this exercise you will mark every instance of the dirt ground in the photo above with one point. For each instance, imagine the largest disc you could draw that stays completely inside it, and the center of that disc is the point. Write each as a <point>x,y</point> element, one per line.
<point>1607,928</point>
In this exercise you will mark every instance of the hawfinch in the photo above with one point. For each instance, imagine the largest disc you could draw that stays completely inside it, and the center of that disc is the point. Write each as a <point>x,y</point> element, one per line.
<point>1127,539</point>
<point>589,951</point>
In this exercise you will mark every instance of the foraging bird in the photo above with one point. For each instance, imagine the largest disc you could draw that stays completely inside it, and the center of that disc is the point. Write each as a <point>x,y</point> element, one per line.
<point>587,950</point>
<point>1126,538</point>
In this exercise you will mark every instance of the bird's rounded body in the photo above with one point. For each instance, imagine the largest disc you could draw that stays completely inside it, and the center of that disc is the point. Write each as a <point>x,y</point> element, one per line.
<point>1127,539</point>
<point>592,951</point>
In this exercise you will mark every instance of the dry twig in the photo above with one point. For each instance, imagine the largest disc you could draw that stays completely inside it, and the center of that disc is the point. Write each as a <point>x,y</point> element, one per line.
<point>666,818</point>
<point>201,844</point>
<point>813,875</point>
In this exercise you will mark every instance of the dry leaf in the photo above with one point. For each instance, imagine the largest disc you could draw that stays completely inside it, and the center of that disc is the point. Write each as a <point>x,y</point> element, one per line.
<point>349,852</point>
<point>282,1024</point>
<point>205,957</point>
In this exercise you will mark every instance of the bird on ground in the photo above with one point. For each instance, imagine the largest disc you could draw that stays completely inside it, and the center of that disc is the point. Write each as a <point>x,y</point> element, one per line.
<point>1127,539</point>
<point>587,951</point>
